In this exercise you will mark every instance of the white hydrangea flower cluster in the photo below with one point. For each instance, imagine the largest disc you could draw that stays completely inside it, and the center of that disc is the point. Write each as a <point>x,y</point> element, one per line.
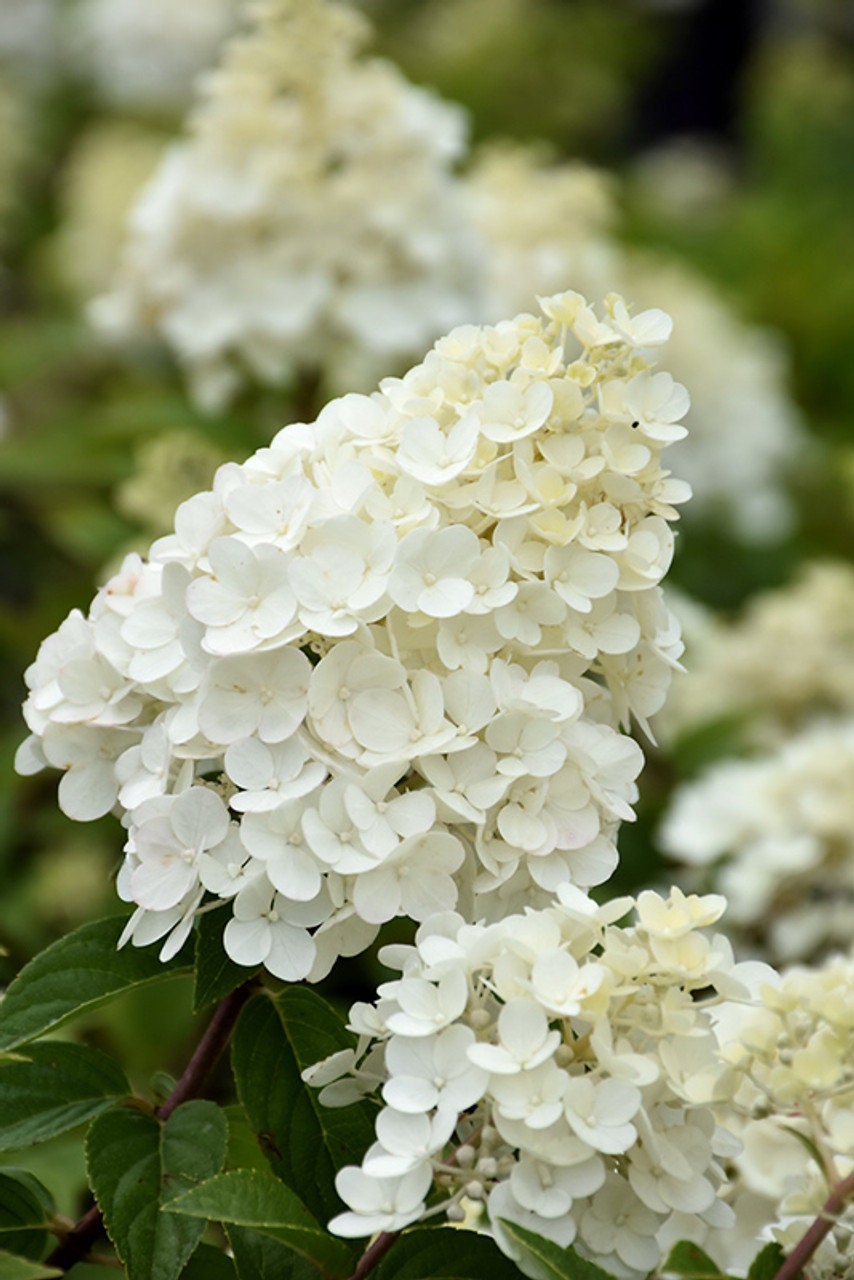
<point>794,1053</point>
<point>545,224</point>
<point>787,658</point>
<point>310,221</point>
<point>778,834</point>
<point>384,664</point>
<point>554,1066</point>
<point>146,54</point>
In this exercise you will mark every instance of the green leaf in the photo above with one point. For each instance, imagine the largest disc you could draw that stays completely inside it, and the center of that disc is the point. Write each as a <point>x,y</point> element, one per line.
<point>767,1263</point>
<point>688,1259</point>
<point>25,1207</point>
<point>305,1142</point>
<point>77,973</point>
<point>95,1271</point>
<point>248,1198</point>
<point>15,1268</point>
<point>208,1263</point>
<point>260,1257</point>
<point>216,974</point>
<point>243,1149</point>
<point>61,1163</point>
<point>62,1085</point>
<point>553,1261</point>
<point>137,1165</point>
<point>445,1252</point>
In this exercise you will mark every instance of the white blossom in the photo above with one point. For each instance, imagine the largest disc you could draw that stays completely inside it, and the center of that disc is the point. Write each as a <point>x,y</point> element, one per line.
<point>147,53</point>
<point>527,1064</point>
<point>268,929</point>
<point>382,711</point>
<point>775,831</point>
<point>793,1109</point>
<point>379,1201</point>
<point>271,240</point>
<point>787,658</point>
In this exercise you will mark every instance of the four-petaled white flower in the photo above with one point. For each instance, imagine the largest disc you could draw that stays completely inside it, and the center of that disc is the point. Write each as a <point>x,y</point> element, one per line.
<point>168,846</point>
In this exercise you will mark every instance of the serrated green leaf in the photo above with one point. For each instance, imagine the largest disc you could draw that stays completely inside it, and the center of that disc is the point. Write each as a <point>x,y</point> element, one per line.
<point>208,1263</point>
<point>446,1252</point>
<point>553,1261</point>
<point>688,1259</point>
<point>767,1263</point>
<point>243,1149</point>
<point>260,1257</point>
<point>305,1142</point>
<point>25,1207</point>
<point>13,1267</point>
<point>54,1088</point>
<point>249,1198</point>
<point>77,973</point>
<point>216,974</point>
<point>137,1165</point>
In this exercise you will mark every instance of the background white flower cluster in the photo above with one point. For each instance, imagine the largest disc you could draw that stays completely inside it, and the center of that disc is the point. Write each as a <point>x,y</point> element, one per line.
<point>544,224</point>
<point>385,666</point>
<point>271,244</point>
<point>146,54</point>
<point>786,659</point>
<point>309,223</point>
<point>772,829</point>
<point>777,833</point>
<point>583,1056</point>
<point>793,1112</point>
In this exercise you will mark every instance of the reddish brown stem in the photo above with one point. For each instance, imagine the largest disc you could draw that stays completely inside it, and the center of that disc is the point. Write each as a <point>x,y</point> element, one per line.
<point>79,1240</point>
<point>808,1243</point>
<point>216,1037</point>
<point>374,1253</point>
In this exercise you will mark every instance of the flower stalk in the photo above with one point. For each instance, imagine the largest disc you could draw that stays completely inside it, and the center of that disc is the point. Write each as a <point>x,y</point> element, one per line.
<point>374,1254</point>
<point>807,1245</point>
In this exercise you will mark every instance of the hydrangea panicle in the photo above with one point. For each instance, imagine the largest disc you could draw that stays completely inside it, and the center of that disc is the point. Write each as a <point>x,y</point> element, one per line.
<point>558,1069</point>
<point>388,664</point>
<point>270,242</point>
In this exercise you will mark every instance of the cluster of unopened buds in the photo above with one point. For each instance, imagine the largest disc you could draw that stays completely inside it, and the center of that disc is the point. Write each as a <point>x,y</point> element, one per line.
<point>385,666</point>
<point>556,1068</point>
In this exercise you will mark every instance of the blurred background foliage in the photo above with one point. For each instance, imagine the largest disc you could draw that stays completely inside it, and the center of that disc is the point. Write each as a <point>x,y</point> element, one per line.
<point>731,131</point>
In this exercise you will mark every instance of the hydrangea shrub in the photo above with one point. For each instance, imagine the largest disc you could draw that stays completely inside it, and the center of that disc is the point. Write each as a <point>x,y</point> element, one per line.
<point>387,668</point>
